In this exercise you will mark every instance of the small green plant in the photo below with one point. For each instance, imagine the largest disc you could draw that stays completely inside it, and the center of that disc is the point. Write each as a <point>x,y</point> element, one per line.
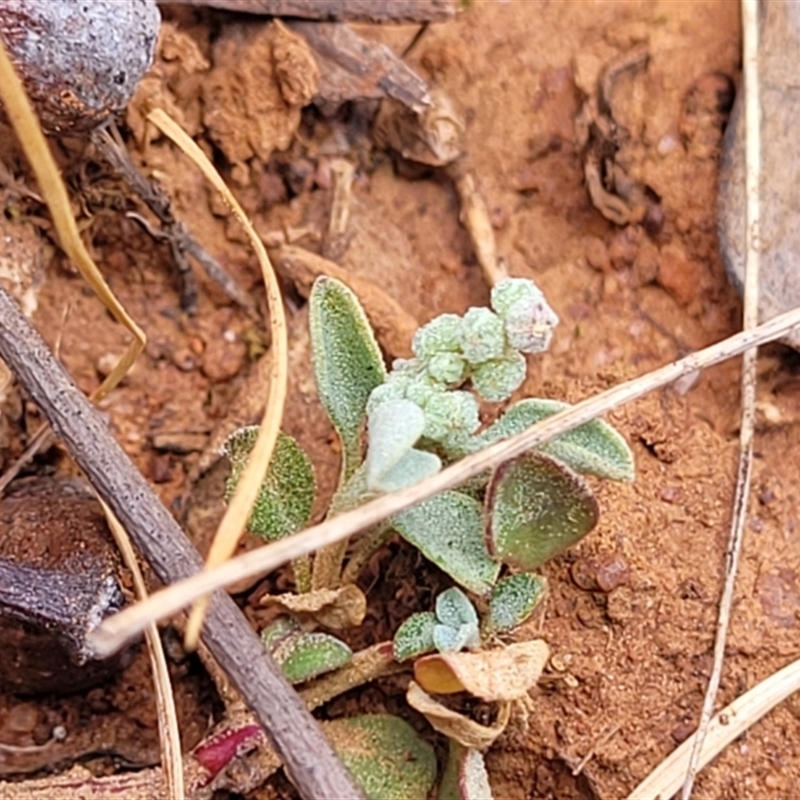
<point>400,427</point>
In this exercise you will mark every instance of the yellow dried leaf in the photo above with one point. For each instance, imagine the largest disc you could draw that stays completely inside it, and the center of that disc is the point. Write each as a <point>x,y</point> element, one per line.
<point>504,674</point>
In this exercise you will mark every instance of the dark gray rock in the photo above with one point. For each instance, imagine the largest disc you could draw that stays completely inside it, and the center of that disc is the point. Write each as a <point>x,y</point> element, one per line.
<point>779,53</point>
<point>80,60</point>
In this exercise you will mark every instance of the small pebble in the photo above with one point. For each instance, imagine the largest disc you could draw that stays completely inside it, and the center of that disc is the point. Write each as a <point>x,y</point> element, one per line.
<point>22,718</point>
<point>677,273</point>
<point>498,218</point>
<point>184,359</point>
<point>766,496</point>
<point>597,255</point>
<point>604,573</point>
<point>682,732</point>
<point>624,246</point>
<point>80,62</point>
<point>670,494</point>
<point>666,144</point>
<point>223,360</point>
<point>161,469</point>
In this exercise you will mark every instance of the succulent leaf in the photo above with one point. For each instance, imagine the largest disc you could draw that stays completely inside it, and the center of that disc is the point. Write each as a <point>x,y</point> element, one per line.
<point>513,600</point>
<point>392,463</point>
<point>536,508</point>
<point>384,755</point>
<point>415,636</point>
<point>283,504</point>
<point>447,368</point>
<point>303,656</point>
<point>451,640</point>
<point>454,608</point>
<point>441,335</point>
<point>347,362</point>
<point>448,530</point>
<point>414,466</point>
<point>279,629</point>
<point>594,448</point>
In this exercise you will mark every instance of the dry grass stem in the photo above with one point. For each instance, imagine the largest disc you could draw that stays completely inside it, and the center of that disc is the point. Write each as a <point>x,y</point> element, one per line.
<point>749,358</point>
<point>168,730</point>
<point>233,523</point>
<point>665,781</point>
<point>474,217</point>
<point>31,139</point>
<point>114,631</point>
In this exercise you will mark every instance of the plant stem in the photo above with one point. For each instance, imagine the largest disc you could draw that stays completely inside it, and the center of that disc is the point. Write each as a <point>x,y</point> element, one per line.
<point>362,552</point>
<point>367,665</point>
<point>328,561</point>
<point>301,567</point>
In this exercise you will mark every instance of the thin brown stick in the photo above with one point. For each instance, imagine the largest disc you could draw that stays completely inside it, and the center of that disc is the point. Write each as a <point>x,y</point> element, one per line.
<point>749,358</point>
<point>297,739</point>
<point>154,197</point>
<point>474,217</point>
<point>115,630</point>
<point>355,10</point>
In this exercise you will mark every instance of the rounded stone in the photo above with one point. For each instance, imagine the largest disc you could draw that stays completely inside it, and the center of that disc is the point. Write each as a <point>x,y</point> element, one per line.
<point>79,61</point>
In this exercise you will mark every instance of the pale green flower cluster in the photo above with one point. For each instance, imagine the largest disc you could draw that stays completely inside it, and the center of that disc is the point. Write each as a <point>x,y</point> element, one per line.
<point>483,346</point>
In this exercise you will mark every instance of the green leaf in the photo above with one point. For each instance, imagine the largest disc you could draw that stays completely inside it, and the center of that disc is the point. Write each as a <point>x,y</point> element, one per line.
<point>284,501</point>
<point>536,508</point>
<point>347,362</point>
<point>448,530</point>
<point>415,636</point>
<point>513,601</point>
<point>279,629</point>
<point>594,448</point>
<point>453,640</point>
<point>454,608</point>
<point>465,776</point>
<point>384,755</point>
<point>392,462</point>
<point>413,467</point>
<point>303,656</point>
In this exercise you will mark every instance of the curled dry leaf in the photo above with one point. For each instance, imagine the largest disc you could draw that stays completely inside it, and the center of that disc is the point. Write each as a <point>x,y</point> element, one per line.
<point>504,674</point>
<point>433,136</point>
<point>336,609</point>
<point>456,726</point>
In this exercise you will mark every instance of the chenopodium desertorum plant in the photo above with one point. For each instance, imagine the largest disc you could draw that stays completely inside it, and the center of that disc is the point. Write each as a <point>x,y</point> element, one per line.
<point>397,428</point>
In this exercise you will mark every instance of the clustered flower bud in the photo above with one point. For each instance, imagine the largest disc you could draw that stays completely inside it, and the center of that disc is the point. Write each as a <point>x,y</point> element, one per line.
<point>484,346</point>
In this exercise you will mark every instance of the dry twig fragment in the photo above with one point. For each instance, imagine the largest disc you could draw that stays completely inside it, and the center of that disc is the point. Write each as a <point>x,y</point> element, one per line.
<point>339,10</point>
